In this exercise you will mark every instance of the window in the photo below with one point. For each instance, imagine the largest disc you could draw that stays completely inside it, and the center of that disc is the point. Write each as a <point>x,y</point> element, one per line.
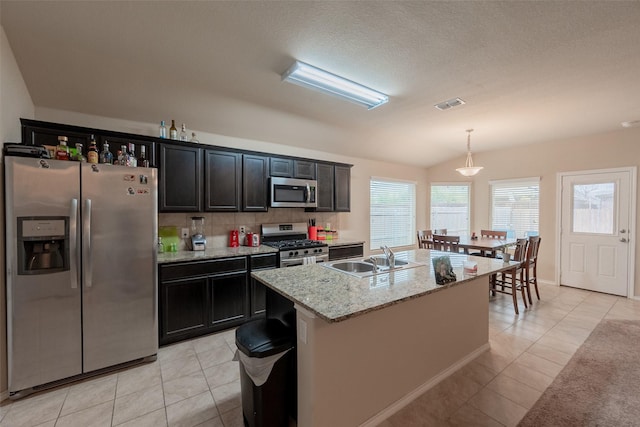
<point>392,213</point>
<point>450,208</point>
<point>515,206</point>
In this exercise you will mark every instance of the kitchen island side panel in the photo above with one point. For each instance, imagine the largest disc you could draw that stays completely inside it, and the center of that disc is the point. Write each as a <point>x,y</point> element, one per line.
<point>352,370</point>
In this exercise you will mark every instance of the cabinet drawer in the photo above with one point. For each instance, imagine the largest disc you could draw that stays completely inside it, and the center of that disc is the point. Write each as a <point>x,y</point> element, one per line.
<point>202,268</point>
<point>264,261</point>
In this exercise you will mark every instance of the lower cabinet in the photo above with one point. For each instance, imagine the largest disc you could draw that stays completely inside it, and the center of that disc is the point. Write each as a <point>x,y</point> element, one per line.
<point>198,298</point>
<point>258,290</point>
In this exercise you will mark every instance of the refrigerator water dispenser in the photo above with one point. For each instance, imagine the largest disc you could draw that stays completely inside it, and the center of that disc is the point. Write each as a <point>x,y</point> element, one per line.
<point>43,245</point>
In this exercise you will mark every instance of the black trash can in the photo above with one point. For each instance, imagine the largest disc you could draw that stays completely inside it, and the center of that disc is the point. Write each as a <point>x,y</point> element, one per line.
<point>270,403</point>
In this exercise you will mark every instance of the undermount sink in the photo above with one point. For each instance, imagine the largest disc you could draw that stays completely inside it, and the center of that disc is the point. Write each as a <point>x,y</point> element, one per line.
<point>365,267</point>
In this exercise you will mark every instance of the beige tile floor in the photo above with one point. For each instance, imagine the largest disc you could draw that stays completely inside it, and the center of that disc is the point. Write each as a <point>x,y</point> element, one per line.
<point>195,383</point>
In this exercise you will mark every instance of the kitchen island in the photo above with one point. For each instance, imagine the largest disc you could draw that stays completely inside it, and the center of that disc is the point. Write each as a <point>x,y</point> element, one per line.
<point>368,346</point>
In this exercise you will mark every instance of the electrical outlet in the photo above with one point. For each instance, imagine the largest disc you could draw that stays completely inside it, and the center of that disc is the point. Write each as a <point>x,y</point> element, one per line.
<point>185,233</point>
<point>242,229</point>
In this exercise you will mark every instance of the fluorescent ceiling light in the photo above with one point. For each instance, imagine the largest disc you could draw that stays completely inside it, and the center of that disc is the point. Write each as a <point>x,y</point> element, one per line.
<point>309,76</point>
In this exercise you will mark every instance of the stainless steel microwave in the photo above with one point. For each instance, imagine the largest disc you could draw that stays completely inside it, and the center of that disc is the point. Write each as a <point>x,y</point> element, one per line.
<point>293,193</point>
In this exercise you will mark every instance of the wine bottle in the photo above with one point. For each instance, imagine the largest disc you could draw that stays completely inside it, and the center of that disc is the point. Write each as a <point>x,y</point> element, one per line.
<point>105,156</point>
<point>173,131</point>
<point>142,160</point>
<point>92,153</point>
<point>183,133</point>
<point>163,130</point>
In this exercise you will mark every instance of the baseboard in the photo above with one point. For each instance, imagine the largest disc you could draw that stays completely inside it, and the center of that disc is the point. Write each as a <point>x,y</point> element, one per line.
<point>548,282</point>
<point>411,396</point>
<point>4,395</point>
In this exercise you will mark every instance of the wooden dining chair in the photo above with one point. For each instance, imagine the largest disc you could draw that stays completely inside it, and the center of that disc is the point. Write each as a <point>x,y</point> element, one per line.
<point>511,281</point>
<point>446,243</point>
<point>440,231</point>
<point>531,267</point>
<point>425,239</point>
<point>493,234</point>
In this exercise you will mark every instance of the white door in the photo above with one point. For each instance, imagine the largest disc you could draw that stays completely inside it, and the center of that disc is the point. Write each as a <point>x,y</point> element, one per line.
<point>594,241</point>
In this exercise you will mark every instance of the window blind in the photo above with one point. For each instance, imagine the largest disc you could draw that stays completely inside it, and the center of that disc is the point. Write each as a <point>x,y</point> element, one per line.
<point>450,208</point>
<point>392,213</point>
<point>515,206</point>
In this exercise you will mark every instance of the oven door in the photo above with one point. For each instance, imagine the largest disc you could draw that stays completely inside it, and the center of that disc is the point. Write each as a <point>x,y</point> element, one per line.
<point>292,262</point>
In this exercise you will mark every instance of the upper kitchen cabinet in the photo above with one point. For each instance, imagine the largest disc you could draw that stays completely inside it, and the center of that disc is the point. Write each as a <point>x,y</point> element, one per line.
<point>45,133</point>
<point>223,181</point>
<point>255,176</point>
<point>325,173</point>
<point>342,188</point>
<point>304,169</point>
<point>180,178</point>
<point>292,168</point>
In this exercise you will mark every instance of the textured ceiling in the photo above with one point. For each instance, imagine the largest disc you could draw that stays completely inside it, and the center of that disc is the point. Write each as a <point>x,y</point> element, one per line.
<point>528,71</point>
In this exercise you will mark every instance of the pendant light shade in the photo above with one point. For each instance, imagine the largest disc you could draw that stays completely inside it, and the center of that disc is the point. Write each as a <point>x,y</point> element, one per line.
<point>469,169</point>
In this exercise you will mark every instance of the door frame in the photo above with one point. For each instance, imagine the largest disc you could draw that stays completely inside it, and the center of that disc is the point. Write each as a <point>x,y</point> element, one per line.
<point>632,170</point>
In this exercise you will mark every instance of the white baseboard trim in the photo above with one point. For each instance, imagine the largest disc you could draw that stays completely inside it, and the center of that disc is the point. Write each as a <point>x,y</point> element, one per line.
<point>548,282</point>
<point>411,396</point>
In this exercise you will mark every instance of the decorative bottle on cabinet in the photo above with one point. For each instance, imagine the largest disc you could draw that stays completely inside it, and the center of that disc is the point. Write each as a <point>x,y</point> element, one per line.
<point>92,153</point>
<point>163,130</point>
<point>173,131</point>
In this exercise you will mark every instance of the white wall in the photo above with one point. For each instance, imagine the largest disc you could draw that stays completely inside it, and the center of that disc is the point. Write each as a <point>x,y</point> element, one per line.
<point>15,102</point>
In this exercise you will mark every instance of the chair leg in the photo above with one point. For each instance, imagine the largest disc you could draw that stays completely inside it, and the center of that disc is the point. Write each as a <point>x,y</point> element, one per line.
<point>514,293</point>
<point>535,280</point>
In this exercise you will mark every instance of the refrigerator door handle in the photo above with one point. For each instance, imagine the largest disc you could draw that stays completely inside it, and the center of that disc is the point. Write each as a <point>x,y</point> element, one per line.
<point>73,242</point>
<point>86,247</point>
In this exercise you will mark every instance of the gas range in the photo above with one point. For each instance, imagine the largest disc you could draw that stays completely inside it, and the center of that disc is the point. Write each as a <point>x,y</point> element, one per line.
<point>294,246</point>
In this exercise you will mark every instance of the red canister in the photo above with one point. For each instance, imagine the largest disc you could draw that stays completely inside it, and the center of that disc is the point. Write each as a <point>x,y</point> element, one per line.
<point>234,238</point>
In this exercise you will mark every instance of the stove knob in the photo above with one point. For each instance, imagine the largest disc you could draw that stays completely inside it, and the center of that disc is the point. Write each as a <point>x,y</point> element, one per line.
<point>290,254</point>
<point>306,251</point>
<point>296,253</point>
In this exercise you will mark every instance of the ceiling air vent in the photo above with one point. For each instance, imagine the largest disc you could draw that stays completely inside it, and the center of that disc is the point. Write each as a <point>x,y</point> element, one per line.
<point>454,102</point>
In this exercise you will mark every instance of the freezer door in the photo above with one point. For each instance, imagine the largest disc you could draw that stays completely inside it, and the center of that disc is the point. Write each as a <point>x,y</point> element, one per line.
<point>43,310</point>
<point>119,208</point>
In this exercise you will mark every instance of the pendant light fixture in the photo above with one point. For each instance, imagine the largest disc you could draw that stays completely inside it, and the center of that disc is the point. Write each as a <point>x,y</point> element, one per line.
<point>469,169</point>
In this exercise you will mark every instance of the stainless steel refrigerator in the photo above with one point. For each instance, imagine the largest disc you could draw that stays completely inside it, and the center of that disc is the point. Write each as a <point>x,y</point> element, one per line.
<point>81,268</point>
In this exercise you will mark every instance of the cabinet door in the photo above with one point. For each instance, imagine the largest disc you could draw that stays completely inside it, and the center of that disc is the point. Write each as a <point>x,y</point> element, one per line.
<point>183,309</point>
<point>254,183</point>
<point>342,189</point>
<point>40,135</point>
<point>229,303</point>
<point>180,174</point>
<point>280,167</point>
<point>258,290</point>
<point>223,181</point>
<point>304,169</point>
<point>325,187</point>
<point>344,252</point>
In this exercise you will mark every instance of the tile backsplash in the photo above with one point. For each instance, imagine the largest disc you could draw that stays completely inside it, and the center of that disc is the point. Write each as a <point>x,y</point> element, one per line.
<point>218,224</point>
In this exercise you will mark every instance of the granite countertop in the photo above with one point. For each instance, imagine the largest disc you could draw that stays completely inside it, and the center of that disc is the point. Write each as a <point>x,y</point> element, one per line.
<point>335,296</point>
<point>213,253</point>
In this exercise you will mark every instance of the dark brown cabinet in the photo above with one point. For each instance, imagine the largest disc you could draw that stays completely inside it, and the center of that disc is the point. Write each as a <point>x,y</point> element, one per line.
<point>197,298</point>
<point>325,174</point>
<point>255,176</point>
<point>281,167</point>
<point>258,290</point>
<point>304,169</point>
<point>180,178</point>
<point>33,134</point>
<point>342,189</point>
<point>223,181</point>
<point>346,251</point>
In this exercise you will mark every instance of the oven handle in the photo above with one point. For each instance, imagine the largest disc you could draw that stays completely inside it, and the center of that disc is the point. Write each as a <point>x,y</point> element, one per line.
<point>308,193</point>
<point>292,262</point>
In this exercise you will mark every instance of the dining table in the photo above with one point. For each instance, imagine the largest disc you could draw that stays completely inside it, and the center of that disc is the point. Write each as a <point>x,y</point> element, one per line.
<point>485,244</point>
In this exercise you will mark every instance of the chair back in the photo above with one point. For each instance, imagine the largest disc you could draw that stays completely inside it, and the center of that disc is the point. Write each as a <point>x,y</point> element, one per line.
<point>532,252</point>
<point>440,231</point>
<point>425,239</point>
<point>446,243</point>
<point>494,234</point>
<point>520,252</point>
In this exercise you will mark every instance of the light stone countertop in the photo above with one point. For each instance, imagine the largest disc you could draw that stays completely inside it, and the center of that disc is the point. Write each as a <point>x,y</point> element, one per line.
<point>213,253</point>
<point>335,296</point>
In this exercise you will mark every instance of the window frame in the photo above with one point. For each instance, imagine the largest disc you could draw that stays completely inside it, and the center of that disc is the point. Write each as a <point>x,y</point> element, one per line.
<point>449,184</point>
<point>515,182</point>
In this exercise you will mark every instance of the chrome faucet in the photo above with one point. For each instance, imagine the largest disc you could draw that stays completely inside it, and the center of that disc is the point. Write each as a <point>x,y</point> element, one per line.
<point>391,257</point>
<point>373,260</point>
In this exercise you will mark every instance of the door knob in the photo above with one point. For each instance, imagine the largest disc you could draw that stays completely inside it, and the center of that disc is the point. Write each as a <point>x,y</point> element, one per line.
<point>623,240</point>
<point>623,231</point>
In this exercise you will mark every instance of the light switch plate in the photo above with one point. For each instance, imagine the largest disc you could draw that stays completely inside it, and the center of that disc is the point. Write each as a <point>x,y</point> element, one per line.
<point>185,233</point>
<point>242,229</point>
